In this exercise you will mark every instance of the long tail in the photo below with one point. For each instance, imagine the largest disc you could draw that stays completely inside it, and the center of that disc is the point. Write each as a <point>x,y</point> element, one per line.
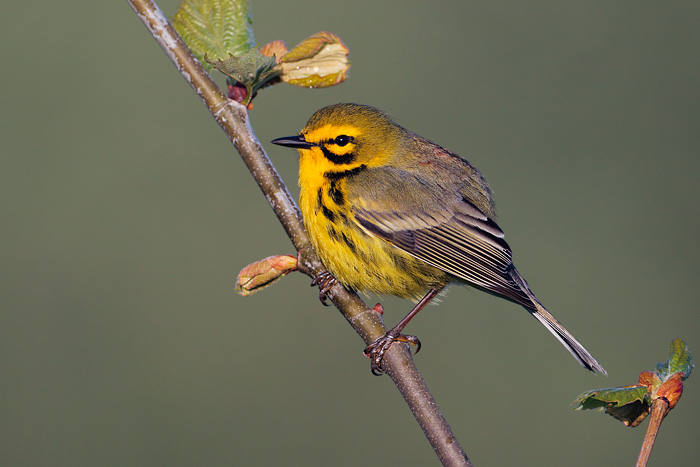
<point>556,328</point>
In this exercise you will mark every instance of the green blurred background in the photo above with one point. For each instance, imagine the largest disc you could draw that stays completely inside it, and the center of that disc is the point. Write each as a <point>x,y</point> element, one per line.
<point>126,215</point>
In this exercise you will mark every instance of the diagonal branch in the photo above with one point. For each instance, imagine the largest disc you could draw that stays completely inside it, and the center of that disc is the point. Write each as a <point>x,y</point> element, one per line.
<point>233,119</point>
<point>659,409</point>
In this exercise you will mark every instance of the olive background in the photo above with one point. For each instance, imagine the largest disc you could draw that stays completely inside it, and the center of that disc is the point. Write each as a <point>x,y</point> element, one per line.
<point>126,215</point>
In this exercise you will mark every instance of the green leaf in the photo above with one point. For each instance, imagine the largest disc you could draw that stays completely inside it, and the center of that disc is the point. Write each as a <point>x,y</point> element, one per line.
<point>215,28</point>
<point>252,69</point>
<point>679,359</point>
<point>629,405</point>
<point>246,68</point>
<point>600,398</point>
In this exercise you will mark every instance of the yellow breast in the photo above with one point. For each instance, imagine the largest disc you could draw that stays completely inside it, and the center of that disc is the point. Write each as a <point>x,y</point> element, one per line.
<point>358,259</point>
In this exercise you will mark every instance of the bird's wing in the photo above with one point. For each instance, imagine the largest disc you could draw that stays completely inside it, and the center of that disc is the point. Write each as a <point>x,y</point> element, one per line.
<point>439,225</point>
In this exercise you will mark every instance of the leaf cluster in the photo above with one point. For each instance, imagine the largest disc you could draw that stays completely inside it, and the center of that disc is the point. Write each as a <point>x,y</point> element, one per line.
<point>220,35</point>
<point>631,404</point>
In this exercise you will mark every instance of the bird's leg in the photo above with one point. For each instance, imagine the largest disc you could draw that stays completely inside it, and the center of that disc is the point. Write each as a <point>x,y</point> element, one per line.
<point>376,350</point>
<point>325,282</point>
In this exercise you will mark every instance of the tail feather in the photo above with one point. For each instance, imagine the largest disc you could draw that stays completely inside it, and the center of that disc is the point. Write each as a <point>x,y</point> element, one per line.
<point>556,328</point>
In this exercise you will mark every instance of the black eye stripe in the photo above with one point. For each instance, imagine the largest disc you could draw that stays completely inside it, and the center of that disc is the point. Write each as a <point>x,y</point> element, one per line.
<point>337,158</point>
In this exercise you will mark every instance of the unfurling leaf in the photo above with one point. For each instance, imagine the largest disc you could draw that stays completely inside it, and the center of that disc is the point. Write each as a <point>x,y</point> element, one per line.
<point>316,62</point>
<point>251,69</point>
<point>627,404</point>
<point>215,28</point>
<point>258,275</point>
<point>219,33</point>
<point>601,398</point>
<point>631,404</point>
<point>679,361</point>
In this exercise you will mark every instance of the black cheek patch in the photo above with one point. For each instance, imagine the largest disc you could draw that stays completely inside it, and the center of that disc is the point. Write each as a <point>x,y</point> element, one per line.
<point>348,158</point>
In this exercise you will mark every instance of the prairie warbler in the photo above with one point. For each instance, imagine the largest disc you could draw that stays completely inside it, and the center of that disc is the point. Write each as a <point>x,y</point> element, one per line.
<point>393,213</point>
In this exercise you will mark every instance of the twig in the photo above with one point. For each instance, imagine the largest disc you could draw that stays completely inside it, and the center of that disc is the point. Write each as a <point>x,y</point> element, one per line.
<point>233,119</point>
<point>659,409</point>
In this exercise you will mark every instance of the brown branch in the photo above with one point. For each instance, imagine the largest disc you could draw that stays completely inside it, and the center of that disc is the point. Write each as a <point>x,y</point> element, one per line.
<point>659,409</point>
<point>233,119</point>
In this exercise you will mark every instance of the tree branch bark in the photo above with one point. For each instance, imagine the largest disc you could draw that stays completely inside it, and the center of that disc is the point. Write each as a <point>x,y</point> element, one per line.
<point>659,409</point>
<point>233,119</point>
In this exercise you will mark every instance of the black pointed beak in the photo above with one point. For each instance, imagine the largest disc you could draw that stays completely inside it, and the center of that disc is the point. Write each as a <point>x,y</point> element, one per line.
<point>297,142</point>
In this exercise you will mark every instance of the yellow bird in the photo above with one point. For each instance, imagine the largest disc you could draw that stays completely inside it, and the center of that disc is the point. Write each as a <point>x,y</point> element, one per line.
<point>391,212</point>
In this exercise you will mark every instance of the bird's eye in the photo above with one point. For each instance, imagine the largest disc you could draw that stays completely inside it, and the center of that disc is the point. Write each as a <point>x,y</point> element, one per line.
<point>342,140</point>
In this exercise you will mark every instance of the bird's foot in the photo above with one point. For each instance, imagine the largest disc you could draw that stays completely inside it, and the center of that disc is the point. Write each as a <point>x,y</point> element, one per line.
<point>376,350</point>
<point>325,282</point>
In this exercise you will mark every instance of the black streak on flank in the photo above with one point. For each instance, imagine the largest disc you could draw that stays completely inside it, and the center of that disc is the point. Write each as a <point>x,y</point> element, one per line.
<point>339,236</point>
<point>333,233</point>
<point>335,193</point>
<point>400,262</point>
<point>349,243</point>
<point>330,215</point>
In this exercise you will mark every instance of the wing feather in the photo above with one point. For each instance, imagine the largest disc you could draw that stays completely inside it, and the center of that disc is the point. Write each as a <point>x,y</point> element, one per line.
<point>438,224</point>
<point>471,249</point>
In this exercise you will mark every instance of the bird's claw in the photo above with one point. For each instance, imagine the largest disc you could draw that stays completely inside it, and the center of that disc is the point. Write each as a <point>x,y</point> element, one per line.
<point>376,350</point>
<point>325,282</point>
